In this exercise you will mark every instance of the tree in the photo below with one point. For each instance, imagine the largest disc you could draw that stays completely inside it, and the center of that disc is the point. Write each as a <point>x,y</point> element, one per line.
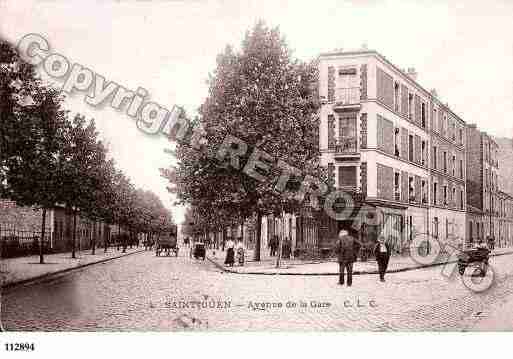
<point>266,98</point>
<point>33,176</point>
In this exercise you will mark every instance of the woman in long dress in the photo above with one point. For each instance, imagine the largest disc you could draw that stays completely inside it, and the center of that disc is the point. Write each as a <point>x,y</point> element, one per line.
<point>230,253</point>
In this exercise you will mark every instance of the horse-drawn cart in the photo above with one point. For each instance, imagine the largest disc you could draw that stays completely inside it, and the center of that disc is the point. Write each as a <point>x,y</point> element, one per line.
<point>166,245</point>
<point>476,258</point>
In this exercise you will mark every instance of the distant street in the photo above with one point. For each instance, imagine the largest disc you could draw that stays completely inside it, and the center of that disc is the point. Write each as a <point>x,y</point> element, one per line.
<point>143,292</point>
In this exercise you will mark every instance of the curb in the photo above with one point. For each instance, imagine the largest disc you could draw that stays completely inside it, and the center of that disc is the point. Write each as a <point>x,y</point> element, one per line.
<point>39,278</point>
<point>405,269</point>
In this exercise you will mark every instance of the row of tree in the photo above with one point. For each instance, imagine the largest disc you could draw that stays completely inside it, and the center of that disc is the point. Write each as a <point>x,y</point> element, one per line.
<point>265,97</point>
<point>49,158</point>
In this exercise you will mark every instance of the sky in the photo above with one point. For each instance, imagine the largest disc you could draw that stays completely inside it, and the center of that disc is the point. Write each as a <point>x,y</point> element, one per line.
<point>461,48</point>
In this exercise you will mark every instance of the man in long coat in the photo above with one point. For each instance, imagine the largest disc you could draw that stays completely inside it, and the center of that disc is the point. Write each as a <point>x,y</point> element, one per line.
<point>346,249</point>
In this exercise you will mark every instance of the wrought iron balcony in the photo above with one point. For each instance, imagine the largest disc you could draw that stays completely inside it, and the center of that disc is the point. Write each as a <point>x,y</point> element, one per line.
<point>346,146</point>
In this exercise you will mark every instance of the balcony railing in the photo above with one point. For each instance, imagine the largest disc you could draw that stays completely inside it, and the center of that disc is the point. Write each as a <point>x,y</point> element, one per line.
<point>346,145</point>
<point>347,96</point>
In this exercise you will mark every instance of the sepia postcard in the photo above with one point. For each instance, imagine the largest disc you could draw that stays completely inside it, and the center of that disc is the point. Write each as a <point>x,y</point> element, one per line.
<point>261,166</point>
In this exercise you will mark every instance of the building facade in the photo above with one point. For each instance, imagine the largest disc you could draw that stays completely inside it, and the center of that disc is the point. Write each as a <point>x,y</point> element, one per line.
<point>483,192</point>
<point>384,136</point>
<point>25,223</point>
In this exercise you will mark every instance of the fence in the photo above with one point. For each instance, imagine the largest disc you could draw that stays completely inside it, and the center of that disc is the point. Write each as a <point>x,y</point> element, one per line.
<point>17,243</point>
<point>14,243</point>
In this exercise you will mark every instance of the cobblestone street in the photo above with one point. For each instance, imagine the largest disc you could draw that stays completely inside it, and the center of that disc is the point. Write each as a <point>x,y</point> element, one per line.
<point>144,292</point>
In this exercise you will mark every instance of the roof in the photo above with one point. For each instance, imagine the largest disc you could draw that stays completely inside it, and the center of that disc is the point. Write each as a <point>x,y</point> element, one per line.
<point>388,62</point>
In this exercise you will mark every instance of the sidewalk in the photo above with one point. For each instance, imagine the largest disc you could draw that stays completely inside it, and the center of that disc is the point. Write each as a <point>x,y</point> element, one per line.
<point>14,271</point>
<point>317,268</point>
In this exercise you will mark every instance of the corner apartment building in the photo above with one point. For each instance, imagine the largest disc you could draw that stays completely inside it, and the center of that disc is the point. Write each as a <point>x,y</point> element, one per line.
<point>482,185</point>
<point>386,137</point>
<point>505,162</point>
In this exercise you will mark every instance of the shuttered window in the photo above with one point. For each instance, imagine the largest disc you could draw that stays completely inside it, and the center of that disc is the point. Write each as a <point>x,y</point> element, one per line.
<point>385,88</point>
<point>404,100</point>
<point>418,190</point>
<point>385,181</point>
<point>417,149</point>
<point>404,143</point>
<point>385,135</point>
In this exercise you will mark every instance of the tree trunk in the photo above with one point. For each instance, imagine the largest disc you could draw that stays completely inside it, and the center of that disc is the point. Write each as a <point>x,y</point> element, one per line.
<point>224,238</point>
<point>74,235</point>
<point>94,239</point>
<point>258,244</point>
<point>42,237</point>
<point>280,243</point>
<point>106,240</point>
<point>125,239</point>
<point>119,237</point>
<point>242,230</point>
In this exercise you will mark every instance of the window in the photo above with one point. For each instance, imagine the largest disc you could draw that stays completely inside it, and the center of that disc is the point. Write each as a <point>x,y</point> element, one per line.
<point>471,232</point>
<point>347,134</point>
<point>435,157</point>
<point>461,169</point>
<point>410,148</point>
<point>461,136</point>
<point>453,166</point>
<point>435,227</point>
<point>445,161</point>
<point>410,106</point>
<point>423,115</point>
<point>453,196</point>
<point>411,189</point>
<point>396,96</point>
<point>347,91</point>
<point>424,192</point>
<point>453,131</point>
<point>435,192</point>
<point>423,153</point>
<point>445,195</point>
<point>397,186</point>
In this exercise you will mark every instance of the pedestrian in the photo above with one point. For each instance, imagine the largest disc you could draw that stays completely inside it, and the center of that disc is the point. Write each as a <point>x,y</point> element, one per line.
<point>382,253</point>
<point>346,249</point>
<point>274,245</point>
<point>230,252</point>
<point>240,251</point>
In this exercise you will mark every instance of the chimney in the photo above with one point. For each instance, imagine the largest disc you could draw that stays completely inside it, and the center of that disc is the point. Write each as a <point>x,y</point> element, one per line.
<point>412,73</point>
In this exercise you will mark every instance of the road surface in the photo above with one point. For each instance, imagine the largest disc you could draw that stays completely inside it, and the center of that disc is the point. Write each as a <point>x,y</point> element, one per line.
<point>144,292</point>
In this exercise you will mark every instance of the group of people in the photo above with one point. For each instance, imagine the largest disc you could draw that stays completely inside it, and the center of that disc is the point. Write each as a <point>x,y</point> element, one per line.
<point>233,247</point>
<point>347,248</point>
